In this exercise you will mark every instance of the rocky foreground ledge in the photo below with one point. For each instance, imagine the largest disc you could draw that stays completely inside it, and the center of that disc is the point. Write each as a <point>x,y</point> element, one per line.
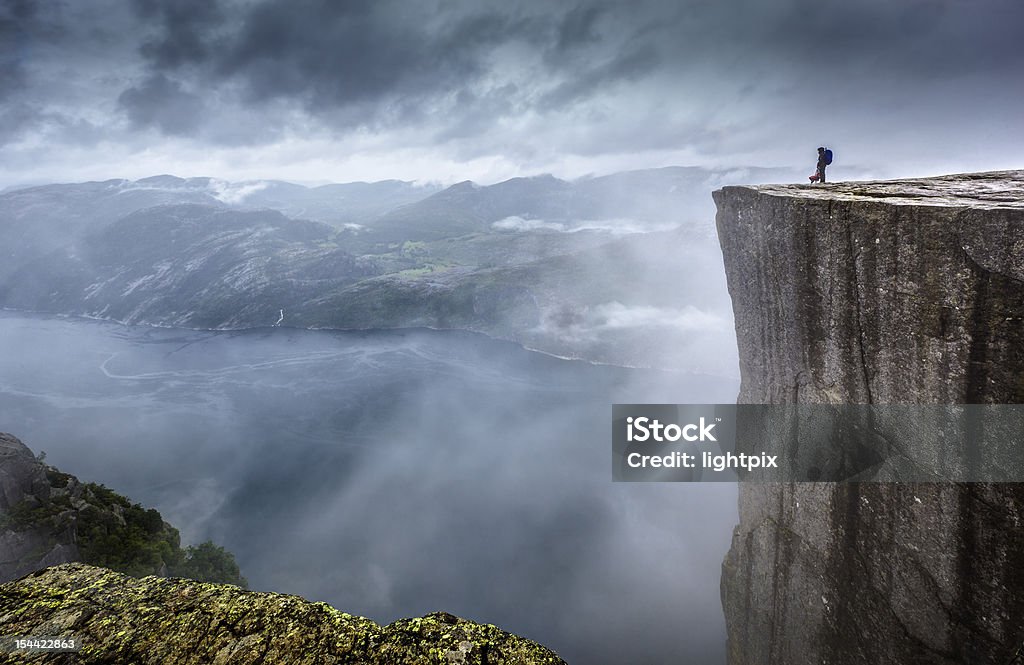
<point>121,619</point>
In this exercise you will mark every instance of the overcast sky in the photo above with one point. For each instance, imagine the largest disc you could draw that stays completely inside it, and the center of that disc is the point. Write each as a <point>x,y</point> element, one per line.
<point>317,90</point>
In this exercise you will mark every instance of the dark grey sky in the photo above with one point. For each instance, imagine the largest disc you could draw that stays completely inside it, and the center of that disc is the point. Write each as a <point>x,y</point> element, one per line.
<point>448,89</point>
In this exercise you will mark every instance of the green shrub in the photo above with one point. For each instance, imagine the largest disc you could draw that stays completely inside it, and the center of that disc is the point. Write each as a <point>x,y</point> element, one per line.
<point>117,534</point>
<point>113,532</point>
<point>207,562</point>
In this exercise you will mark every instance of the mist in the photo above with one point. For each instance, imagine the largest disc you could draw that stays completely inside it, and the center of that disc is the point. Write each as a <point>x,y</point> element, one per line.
<point>391,474</point>
<point>394,473</point>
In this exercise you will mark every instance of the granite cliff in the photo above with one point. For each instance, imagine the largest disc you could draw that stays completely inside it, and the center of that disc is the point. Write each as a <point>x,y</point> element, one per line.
<point>908,291</point>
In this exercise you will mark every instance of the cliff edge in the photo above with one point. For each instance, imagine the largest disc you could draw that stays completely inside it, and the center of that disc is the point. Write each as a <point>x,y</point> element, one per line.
<point>896,292</point>
<point>905,291</point>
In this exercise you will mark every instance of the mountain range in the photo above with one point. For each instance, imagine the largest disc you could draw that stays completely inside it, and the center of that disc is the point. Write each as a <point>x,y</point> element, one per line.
<point>569,267</point>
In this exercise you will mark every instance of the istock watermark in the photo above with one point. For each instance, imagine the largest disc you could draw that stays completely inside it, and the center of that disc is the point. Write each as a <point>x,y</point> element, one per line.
<point>818,443</point>
<point>644,428</point>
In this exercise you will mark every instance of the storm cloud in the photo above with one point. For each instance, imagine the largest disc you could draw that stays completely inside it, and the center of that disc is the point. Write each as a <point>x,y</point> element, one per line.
<point>446,90</point>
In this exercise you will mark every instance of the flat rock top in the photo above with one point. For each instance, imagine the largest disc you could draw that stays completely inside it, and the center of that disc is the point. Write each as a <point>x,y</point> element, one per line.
<point>994,189</point>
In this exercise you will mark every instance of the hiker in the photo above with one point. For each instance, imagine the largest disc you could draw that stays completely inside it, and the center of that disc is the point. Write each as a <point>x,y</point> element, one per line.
<point>824,159</point>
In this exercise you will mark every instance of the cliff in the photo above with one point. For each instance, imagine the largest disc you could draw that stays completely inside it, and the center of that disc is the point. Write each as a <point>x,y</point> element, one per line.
<point>908,291</point>
<point>120,619</point>
<point>26,484</point>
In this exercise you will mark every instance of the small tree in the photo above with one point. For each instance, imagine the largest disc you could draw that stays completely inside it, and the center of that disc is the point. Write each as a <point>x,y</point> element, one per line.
<point>207,562</point>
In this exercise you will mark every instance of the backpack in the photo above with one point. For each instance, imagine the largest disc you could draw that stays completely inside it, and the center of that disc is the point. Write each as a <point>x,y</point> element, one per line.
<point>828,156</point>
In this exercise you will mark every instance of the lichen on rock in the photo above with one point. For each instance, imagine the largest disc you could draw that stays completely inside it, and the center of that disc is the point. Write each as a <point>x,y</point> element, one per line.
<point>125,620</point>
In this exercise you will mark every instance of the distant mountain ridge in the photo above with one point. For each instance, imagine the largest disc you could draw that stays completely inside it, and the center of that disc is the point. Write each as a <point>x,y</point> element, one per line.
<point>188,265</point>
<point>517,259</point>
<point>672,194</point>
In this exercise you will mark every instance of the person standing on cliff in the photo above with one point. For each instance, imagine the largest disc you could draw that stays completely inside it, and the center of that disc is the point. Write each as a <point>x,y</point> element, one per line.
<point>822,163</point>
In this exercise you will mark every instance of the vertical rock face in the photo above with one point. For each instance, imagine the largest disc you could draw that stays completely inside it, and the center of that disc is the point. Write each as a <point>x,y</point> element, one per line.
<point>26,485</point>
<point>886,292</point>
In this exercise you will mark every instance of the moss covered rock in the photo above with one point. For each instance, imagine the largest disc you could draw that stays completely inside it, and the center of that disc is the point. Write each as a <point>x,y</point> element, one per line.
<point>170,621</point>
